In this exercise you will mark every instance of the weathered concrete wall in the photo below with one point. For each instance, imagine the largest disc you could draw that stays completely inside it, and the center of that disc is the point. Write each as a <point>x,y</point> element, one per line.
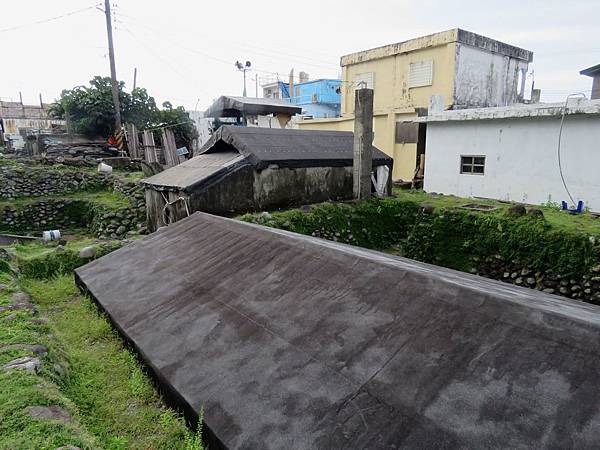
<point>521,159</point>
<point>484,78</point>
<point>250,190</point>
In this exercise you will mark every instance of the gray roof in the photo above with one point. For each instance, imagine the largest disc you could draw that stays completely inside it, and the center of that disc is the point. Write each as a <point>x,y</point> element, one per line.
<point>291,342</point>
<point>197,170</point>
<point>574,106</point>
<point>228,106</point>
<point>289,147</point>
<point>591,71</point>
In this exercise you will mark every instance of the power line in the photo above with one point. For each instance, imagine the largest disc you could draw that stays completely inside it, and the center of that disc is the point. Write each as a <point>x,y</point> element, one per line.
<point>266,51</point>
<point>50,19</point>
<point>161,58</point>
<point>193,50</point>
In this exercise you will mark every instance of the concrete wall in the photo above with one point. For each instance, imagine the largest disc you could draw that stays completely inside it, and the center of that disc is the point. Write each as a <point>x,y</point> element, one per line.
<point>464,74</point>
<point>521,159</point>
<point>485,79</point>
<point>250,190</point>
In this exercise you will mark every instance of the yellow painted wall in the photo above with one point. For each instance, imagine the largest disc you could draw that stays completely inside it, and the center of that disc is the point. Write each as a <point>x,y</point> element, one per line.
<point>393,100</point>
<point>391,75</point>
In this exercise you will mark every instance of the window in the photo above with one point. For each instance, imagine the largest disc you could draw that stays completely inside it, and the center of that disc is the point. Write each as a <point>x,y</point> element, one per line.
<point>473,165</point>
<point>420,74</point>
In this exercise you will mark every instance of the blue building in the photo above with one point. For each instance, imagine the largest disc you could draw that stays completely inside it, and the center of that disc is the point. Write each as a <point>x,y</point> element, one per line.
<point>318,98</point>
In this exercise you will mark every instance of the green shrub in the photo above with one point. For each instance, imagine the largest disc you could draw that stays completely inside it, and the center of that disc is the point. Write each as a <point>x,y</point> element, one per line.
<point>444,236</point>
<point>55,263</point>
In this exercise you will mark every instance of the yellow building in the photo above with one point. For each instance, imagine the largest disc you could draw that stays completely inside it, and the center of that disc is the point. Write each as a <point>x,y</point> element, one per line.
<point>462,69</point>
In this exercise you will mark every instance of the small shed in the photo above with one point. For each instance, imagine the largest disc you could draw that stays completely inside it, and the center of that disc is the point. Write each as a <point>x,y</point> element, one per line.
<point>247,169</point>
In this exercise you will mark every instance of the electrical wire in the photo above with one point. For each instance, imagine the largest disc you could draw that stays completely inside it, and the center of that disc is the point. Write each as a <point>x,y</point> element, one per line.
<point>156,32</point>
<point>50,19</point>
<point>562,122</point>
<point>309,61</point>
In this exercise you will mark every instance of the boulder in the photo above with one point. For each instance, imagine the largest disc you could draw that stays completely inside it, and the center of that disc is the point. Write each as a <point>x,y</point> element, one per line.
<point>87,252</point>
<point>37,349</point>
<point>517,210</point>
<point>28,363</point>
<point>49,413</point>
<point>21,297</point>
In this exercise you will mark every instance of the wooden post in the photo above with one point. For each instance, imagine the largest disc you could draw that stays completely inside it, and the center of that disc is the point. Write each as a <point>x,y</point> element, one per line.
<point>132,141</point>
<point>363,144</point>
<point>169,147</point>
<point>149,147</point>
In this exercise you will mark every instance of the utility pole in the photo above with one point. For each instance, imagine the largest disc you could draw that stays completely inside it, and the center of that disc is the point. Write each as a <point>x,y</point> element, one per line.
<point>134,77</point>
<point>256,83</point>
<point>363,144</point>
<point>113,76</point>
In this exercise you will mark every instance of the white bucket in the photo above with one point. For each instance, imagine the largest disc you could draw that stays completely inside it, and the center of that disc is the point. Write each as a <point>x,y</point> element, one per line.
<point>104,168</point>
<point>51,235</point>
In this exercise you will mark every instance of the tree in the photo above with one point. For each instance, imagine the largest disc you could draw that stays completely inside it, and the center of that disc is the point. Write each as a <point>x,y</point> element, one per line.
<point>89,110</point>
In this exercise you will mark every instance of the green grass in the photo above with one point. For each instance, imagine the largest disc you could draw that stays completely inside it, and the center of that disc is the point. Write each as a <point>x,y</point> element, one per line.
<point>585,223</point>
<point>117,401</point>
<point>88,371</point>
<point>107,198</point>
<point>130,176</point>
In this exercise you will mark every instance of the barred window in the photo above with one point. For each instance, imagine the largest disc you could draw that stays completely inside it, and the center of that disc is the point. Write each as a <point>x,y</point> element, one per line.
<point>474,165</point>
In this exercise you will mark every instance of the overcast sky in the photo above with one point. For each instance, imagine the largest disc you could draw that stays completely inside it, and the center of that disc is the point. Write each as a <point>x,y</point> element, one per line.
<point>185,50</point>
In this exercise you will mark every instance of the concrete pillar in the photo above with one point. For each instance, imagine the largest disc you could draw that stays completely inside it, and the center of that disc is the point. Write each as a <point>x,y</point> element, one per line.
<point>363,143</point>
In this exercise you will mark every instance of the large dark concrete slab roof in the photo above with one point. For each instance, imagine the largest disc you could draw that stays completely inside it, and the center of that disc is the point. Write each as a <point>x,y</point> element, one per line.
<point>230,106</point>
<point>291,342</point>
<point>289,147</point>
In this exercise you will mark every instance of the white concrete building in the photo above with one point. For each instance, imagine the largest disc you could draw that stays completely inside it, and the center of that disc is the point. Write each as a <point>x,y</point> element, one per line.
<point>512,153</point>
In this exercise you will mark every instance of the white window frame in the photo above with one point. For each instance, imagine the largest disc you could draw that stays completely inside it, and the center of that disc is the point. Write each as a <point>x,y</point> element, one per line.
<point>420,74</point>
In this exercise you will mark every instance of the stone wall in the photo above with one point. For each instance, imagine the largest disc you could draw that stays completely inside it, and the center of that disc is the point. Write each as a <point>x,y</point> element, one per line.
<point>43,215</point>
<point>21,182</point>
<point>585,287</point>
<point>30,181</point>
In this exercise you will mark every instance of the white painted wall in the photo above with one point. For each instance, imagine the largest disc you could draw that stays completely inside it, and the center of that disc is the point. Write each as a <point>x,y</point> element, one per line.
<point>485,79</point>
<point>521,159</point>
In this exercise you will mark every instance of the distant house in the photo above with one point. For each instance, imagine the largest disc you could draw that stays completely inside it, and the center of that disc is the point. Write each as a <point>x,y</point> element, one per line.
<point>467,70</point>
<point>17,121</point>
<point>319,98</point>
<point>593,72</point>
<point>249,168</point>
<point>512,153</point>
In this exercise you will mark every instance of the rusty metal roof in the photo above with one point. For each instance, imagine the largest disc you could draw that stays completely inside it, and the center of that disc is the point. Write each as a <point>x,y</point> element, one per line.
<point>291,342</point>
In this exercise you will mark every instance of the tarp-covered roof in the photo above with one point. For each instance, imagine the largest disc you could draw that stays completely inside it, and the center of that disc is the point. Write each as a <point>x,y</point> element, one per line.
<point>291,342</point>
<point>289,147</point>
<point>228,106</point>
